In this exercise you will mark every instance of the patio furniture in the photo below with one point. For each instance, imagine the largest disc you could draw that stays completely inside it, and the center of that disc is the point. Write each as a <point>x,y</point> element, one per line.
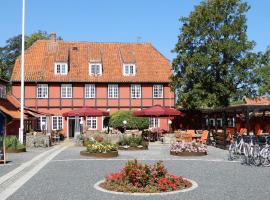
<point>204,137</point>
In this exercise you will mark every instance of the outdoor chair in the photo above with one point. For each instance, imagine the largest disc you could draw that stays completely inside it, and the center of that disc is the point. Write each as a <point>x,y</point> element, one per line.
<point>243,131</point>
<point>191,132</point>
<point>204,137</point>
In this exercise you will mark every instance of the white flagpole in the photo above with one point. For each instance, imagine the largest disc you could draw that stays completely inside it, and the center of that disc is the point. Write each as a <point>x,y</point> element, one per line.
<point>22,77</point>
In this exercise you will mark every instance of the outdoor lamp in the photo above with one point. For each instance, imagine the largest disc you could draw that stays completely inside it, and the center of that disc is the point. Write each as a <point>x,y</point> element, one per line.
<point>81,121</point>
<point>170,122</point>
<point>125,122</point>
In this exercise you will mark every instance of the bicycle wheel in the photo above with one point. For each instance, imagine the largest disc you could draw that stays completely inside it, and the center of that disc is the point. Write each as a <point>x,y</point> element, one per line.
<point>232,152</point>
<point>255,157</point>
<point>265,157</point>
<point>245,156</point>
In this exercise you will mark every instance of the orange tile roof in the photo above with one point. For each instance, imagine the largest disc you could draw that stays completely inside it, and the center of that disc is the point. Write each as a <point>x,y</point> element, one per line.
<point>151,65</point>
<point>257,101</point>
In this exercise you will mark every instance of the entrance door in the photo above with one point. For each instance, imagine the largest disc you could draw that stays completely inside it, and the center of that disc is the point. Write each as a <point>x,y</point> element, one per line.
<point>71,125</point>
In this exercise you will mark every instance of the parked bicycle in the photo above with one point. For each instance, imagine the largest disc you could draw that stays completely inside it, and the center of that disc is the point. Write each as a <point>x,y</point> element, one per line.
<point>236,147</point>
<point>265,154</point>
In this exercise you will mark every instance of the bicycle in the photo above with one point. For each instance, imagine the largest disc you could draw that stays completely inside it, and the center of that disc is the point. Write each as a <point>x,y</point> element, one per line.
<point>236,147</point>
<point>265,154</point>
<point>251,152</point>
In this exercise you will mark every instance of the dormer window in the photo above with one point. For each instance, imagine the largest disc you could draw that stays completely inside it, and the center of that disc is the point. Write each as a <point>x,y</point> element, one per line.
<point>95,69</point>
<point>3,91</point>
<point>60,68</point>
<point>129,69</point>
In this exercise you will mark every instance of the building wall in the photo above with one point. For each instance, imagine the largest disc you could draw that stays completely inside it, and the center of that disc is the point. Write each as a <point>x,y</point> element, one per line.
<point>56,105</point>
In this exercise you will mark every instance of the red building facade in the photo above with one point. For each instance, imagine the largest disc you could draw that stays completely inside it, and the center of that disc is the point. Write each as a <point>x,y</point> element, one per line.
<point>61,76</point>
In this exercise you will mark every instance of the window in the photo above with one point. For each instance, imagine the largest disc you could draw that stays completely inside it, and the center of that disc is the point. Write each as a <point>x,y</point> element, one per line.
<point>135,91</point>
<point>112,91</point>
<point>219,122</point>
<point>95,69</point>
<point>91,123</point>
<point>60,68</point>
<point>42,123</point>
<point>3,91</point>
<point>129,69</point>
<point>42,91</point>
<point>157,91</point>
<point>153,122</point>
<point>90,91</point>
<point>57,123</point>
<point>231,122</point>
<point>66,91</point>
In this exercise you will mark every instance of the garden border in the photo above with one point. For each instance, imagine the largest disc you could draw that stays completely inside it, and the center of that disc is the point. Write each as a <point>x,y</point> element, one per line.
<point>188,153</point>
<point>194,186</point>
<point>110,154</point>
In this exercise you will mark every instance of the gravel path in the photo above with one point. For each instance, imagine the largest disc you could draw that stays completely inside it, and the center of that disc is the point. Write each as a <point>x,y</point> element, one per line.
<point>70,176</point>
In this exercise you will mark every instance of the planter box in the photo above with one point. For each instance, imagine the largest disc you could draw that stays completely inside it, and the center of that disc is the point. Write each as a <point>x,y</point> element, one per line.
<point>132,148</point>
<point>15,150</point>
<point>100,155</point>
<point>188,153</point>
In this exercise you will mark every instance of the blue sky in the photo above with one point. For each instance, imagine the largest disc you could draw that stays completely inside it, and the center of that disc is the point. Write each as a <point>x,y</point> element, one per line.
<point>155,21</point>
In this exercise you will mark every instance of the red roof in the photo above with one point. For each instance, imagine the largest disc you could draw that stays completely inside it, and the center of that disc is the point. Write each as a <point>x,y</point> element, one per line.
<point>86,112</point>
<point>151,65</point>
<point>158,111</point>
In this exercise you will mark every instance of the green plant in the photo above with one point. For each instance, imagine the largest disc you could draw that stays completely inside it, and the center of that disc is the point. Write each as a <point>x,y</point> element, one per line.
<point>100,147</point>
<point>117,118</point>
<point>132,141</point>
<point>12,142</point>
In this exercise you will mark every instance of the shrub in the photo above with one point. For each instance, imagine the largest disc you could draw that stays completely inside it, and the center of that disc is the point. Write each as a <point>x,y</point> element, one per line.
<point>132,141</point>
<point>12,142</point>
<point>136,177</point>
<point>100,147</point>
<point>117,118</point>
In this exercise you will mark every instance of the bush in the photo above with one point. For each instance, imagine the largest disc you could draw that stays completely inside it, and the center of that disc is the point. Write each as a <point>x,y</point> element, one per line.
<point>117,118</point>
<point>132,141</point>
<point>136,177</point>
<point>12,142</point>
<point>100,147</point>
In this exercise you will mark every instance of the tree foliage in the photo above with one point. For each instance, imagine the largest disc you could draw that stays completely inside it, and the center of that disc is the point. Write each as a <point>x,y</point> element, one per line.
<point>117,118</point>
<point>215,62</point>
<point>264,74</point>
<point>12,50</point>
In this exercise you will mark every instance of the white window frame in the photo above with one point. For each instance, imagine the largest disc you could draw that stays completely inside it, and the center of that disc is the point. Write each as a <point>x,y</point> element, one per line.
<point>65,89</point>
<point>231,122</point>
<point>3,91</point>
<point>154,122</point>
<point>99,65</point>
<point>59,123</point>
<point>89,91</point>
<point>39,123</point>
<point>44,91</point>
<point>63,68</point>
<point>136,91</point>
<point>128,73</point>
<point>89,123</point>
<point>155,93</point>
<point>113,91</point>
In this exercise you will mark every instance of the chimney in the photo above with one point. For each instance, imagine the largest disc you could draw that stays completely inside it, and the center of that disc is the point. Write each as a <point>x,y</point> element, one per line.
<point>53,37</point>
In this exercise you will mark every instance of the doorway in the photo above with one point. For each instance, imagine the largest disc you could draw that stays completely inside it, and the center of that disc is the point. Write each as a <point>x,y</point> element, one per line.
<point>71,127</point>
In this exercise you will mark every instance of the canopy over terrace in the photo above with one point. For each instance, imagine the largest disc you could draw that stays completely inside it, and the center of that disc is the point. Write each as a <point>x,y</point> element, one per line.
<point>157,111</point>
<point>86,111</point>
<point>79,114</point>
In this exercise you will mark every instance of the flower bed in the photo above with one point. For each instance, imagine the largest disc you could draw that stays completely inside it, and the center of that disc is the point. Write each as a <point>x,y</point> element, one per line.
<point>188,149</point>
<point>100,149</point>
<point>139,178</point>
<point>132,143</point>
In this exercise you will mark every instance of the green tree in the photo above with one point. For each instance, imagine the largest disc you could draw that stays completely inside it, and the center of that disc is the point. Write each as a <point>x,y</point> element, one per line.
<point>117,118</point>
<point>264,74</point>
<point>12,50</point>
<point>214,63</point>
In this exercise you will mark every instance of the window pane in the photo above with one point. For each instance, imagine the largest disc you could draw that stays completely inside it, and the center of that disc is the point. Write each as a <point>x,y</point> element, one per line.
<point>126,69</point>
<point>112,91</point>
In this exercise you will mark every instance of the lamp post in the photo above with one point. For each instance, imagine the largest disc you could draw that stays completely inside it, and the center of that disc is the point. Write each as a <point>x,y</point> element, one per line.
<point>125,123</point>
<point>21,130</point>
<point>170,124</point>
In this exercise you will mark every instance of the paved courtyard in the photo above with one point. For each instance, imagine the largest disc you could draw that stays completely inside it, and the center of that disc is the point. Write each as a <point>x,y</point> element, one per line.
<point>71,176</point>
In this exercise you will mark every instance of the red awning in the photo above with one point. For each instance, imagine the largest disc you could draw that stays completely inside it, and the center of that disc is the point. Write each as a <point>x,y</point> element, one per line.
<point>157,111</point>
<point>85,112</point>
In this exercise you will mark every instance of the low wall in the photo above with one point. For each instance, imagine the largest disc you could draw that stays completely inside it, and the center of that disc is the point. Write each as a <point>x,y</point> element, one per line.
<point>37,140</point>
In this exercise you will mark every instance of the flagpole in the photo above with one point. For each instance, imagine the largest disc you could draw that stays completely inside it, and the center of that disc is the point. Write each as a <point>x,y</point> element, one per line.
<point>21,131</point>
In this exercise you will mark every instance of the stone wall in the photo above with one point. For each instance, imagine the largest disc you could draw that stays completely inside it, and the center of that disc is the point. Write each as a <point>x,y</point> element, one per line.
<point>37,139</point>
